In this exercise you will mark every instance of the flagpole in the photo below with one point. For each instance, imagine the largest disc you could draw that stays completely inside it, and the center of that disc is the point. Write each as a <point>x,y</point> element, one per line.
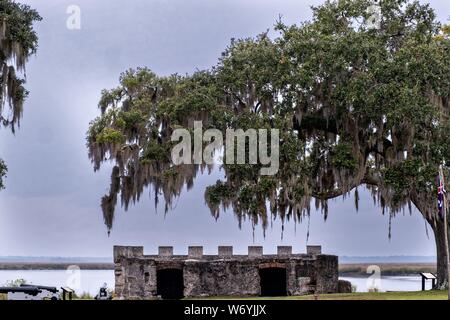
<point>446,246</point>
<point>447,252</point>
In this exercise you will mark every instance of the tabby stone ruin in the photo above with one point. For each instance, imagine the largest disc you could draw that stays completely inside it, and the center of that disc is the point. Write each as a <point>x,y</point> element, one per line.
<point>170,276</point>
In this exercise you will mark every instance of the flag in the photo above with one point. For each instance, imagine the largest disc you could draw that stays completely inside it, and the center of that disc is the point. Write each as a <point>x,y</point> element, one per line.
<point>441,194</point>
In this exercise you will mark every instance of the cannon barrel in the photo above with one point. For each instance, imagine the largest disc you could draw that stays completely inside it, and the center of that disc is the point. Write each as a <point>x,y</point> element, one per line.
<point>51,289</point>
<point>28,290</point>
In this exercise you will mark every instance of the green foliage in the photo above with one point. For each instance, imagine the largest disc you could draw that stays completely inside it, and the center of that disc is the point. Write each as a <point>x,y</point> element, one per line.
<point>216,193</point>
<point>82,296</point>
<point>342,156</point>
<point>170,173</point>
<point>15,283</point>
<point>19,19</point>
<point>299,192</point>
<point>410,174</point>
<point>265,186</point>
<point>109,135</point>
<point>155,151</point>
<point>130,119</point>
<point>99,124</point>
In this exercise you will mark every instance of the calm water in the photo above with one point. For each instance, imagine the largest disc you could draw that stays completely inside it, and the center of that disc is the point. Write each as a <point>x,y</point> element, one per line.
<point>80,280</point>
<point>387,283</point>
<point>91,280</point>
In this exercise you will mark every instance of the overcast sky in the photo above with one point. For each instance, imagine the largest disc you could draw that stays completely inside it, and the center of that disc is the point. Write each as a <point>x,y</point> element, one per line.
<point>51,204</point>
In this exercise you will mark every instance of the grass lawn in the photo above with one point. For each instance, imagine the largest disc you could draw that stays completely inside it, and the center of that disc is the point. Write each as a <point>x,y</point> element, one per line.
<point>416,295</point>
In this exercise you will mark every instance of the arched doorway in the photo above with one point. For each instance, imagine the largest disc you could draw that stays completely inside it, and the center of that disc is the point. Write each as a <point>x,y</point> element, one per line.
<point>273,282</point>
<point>170,284</point>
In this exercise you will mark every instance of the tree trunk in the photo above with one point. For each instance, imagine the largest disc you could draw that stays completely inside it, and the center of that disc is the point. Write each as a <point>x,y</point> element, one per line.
<point>442,268</point>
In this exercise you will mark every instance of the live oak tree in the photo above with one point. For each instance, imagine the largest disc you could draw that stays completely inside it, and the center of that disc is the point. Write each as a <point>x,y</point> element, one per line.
<point>17,42</point>
<point>356,105</point>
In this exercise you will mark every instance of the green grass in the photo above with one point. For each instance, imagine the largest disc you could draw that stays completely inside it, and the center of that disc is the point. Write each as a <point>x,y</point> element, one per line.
<point>416,295</point>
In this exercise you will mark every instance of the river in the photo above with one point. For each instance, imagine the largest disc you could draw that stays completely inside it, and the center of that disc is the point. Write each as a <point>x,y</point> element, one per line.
<point>89,281</point>
<point>82,281</point>
<point>391,283</point>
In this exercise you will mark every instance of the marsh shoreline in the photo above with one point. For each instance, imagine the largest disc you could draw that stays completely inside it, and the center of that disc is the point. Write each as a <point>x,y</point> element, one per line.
<point>346,269</point>
<point>55,266</point>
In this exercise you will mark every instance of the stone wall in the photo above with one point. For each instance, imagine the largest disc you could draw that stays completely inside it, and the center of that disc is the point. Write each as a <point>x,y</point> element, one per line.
<point>224,274</point>
<point>220,278</point>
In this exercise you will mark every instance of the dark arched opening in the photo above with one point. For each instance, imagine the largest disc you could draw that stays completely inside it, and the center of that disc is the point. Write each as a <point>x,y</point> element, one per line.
<point>169,283</point>
<point>273,282</point>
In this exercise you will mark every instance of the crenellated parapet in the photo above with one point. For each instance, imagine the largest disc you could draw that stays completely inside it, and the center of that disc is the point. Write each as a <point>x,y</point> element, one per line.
<point>196,252</point>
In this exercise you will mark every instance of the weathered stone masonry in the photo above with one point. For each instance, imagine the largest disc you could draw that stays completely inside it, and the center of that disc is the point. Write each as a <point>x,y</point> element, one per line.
<point>140,276</point>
